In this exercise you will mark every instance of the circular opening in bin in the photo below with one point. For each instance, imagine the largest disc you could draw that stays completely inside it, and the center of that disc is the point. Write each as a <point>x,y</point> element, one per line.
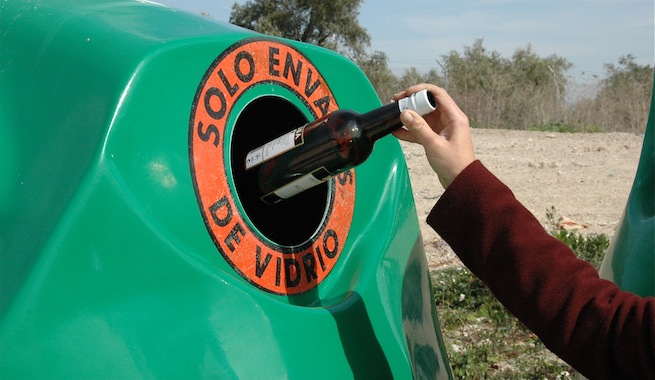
<point>290,222</point>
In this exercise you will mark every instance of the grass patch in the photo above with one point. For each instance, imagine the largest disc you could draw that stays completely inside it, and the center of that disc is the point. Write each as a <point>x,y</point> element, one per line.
<point>553,127</point>
<point>483,340</point>
<point>565,128</point>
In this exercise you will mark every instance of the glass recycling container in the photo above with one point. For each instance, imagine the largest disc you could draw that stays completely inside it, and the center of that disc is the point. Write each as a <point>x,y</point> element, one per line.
<point>131,242</point>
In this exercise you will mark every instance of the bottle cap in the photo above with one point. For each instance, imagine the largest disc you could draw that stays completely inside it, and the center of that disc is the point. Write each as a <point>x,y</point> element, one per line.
<point>423,102</point>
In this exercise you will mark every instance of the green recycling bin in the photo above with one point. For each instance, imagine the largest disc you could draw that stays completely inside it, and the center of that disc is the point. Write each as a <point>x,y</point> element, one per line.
<point>630,260</point>
<point>132,242</point>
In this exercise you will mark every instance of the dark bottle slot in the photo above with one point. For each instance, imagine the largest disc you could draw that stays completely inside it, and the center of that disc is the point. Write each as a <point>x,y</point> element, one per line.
<point>289,223</point>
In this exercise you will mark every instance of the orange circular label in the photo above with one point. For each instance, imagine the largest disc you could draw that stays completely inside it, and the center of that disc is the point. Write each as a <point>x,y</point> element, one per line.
<point>277,269</point>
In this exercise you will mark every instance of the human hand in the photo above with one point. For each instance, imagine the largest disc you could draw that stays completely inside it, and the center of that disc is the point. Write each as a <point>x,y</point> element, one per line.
<point>444,133</point>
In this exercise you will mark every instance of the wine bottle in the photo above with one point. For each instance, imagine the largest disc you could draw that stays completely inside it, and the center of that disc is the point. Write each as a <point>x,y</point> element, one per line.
<point>314,153</point>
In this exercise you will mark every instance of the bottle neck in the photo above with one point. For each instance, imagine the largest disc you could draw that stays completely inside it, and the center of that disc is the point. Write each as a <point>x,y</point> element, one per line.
<point>381,121</point>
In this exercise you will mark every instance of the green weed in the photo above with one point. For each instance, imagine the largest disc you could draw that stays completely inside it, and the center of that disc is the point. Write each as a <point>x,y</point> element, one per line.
<point>590,248</point>
<point>553,127</point>
<point>566,128</point>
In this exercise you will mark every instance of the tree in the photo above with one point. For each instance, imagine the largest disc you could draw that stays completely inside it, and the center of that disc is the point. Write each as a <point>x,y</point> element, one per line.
<point>433,77</point>
<point>524,91</point>
<point>530,69</point>
<point>630,74</point>
<point>624,98</point>
<point>539,86</point>
<point>475,69</point>
<point>412,76</point>
<point>331,24</point>
<point>376,68</point>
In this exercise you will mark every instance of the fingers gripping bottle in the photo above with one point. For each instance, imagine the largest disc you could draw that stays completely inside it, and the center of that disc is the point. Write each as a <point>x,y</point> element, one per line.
<point>314,153</point>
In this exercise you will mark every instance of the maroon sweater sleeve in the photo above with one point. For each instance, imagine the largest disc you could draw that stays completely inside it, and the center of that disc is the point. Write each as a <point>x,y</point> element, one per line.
<point>590,323</point>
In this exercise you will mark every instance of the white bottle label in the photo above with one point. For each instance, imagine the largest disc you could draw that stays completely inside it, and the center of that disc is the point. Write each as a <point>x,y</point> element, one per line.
<point>298,186</point>
<point>275,148</point>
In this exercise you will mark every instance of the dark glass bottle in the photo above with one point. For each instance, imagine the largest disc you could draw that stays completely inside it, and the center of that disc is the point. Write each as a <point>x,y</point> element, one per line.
<point>320,150</point>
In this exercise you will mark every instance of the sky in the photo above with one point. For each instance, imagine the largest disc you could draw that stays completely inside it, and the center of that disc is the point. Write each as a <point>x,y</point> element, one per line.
<point>417,33</point>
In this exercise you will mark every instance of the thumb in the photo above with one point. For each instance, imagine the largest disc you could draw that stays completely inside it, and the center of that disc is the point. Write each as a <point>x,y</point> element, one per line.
<point>417,126</point>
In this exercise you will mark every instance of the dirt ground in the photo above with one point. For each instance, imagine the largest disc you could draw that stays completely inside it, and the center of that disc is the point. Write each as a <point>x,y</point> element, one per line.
<point>586,177</point>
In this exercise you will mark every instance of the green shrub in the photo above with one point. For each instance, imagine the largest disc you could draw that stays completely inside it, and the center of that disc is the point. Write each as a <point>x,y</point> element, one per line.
<point>590,248</point>
<point>566,128</point>
<point>592,128</point>
<point>553,127</point>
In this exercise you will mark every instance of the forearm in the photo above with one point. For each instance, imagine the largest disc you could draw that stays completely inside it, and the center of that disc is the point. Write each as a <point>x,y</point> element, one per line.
<point>538,278</point>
